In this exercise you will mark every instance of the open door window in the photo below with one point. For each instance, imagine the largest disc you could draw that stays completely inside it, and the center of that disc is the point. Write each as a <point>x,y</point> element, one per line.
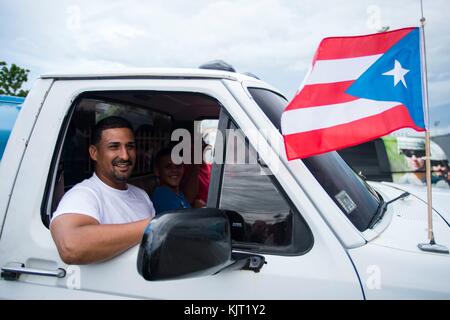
<point>262,218</point>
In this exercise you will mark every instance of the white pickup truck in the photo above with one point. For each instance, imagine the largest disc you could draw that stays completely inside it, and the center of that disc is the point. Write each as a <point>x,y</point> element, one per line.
<point>272,229</point>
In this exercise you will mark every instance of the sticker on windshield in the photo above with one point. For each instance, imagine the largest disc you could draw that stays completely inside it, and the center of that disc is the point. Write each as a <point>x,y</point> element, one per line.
<point>345,201</point>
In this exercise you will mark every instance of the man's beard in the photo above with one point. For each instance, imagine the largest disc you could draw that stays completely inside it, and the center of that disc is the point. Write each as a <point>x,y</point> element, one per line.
<point>122,177</point>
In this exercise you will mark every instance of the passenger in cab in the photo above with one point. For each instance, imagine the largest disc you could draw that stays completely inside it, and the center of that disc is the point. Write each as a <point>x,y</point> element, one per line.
<point>103,216</point>
<point>195,182</point>
<point>168,196</point>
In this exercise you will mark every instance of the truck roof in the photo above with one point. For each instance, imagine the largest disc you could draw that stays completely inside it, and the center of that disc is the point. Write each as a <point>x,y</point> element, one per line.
<point>152,73</point>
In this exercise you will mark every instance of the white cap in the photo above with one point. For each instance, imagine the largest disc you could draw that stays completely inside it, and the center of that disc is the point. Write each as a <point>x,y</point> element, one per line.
<point>409,143</point>
<point>437,154</point>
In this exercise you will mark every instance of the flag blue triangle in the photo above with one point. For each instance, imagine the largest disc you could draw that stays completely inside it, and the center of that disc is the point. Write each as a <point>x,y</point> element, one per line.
<point>374,84</point>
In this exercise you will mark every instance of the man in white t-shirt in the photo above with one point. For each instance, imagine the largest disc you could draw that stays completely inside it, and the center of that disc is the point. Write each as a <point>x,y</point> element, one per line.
<point>103,216</point>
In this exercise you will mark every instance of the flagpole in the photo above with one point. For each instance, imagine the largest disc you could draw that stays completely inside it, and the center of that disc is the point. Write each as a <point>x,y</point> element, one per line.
<point>427,125</point>
<point>432,246</point>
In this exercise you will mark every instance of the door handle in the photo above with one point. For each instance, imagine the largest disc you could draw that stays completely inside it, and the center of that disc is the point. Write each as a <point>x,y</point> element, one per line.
<point>13,272</point>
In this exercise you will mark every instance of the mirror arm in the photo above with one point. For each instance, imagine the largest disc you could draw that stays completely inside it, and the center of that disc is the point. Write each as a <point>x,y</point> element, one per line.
<point>245,261</point>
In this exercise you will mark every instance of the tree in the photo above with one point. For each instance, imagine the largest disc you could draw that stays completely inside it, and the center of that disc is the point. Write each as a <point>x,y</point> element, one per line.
<point>11,80</point>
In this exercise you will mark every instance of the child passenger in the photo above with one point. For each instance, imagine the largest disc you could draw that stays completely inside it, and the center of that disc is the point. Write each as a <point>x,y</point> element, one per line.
<point>168,196</point>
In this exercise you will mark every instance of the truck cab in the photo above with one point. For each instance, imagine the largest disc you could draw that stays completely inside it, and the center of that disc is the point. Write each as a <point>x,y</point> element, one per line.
<point>272,228</point>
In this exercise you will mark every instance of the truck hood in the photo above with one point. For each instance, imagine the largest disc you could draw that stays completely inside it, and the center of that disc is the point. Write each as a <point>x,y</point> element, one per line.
<point>440,197</point>
<point>405,223</point>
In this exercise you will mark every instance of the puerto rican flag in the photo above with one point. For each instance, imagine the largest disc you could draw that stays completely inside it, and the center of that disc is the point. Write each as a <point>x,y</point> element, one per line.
<point>358,89</point>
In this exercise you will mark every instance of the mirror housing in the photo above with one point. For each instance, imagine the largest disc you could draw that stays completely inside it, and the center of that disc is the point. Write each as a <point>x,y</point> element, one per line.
<point>185,243</point>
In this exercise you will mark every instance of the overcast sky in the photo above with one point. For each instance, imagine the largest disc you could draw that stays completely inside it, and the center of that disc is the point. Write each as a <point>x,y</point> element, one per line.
<point>273,39</point>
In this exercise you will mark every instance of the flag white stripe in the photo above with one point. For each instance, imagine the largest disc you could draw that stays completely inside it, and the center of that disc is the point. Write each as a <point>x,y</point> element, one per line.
<point>314,118</point>
<point>325,71</point>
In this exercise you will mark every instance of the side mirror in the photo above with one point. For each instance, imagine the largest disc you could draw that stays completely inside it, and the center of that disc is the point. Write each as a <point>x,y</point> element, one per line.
<point>190,243</point>
<point>185,243</point>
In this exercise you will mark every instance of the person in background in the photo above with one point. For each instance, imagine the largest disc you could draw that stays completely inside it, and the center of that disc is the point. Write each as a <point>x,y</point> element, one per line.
<point>168,195</point>
<point>439,166</point>
<point>414,151</point>
<point>195,183</point>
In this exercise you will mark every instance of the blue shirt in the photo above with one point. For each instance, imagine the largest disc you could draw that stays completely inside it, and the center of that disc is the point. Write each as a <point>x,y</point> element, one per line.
<point>164,199</point>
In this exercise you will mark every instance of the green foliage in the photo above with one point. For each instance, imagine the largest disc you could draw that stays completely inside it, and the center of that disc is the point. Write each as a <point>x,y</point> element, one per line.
<point>11,80</point>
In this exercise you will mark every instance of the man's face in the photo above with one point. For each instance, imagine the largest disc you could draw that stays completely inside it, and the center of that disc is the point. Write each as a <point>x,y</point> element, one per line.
<point>115,155</point>
<point>439,168</point>
<point>415,159</point>
<point>169,174</point>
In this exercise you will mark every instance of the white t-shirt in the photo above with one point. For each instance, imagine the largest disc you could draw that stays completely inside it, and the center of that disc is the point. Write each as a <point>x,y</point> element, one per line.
<point>107,205</point>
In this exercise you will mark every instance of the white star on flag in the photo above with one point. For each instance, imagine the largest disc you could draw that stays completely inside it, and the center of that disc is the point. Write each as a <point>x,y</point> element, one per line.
<point>398,72</point>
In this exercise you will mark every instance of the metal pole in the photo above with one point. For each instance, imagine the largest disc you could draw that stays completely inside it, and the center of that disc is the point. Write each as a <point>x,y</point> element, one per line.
<point>427,125</point>
<point>432,246</point>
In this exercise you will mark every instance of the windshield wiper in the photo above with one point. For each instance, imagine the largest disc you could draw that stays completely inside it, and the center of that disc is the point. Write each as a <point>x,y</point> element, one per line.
<point>382,209</point>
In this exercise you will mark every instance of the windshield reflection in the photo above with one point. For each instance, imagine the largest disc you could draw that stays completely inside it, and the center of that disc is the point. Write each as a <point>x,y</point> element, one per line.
<point>354,197</point>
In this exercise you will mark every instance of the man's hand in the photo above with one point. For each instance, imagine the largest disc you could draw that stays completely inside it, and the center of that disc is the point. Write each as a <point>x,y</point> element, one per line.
<point>199,203</point>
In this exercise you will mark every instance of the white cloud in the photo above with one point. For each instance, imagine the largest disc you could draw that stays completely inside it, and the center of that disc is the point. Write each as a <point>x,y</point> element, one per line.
<point>275,39</point>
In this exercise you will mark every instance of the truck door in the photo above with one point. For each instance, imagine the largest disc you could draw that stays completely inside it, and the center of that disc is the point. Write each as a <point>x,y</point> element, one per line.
<point>304,258</point>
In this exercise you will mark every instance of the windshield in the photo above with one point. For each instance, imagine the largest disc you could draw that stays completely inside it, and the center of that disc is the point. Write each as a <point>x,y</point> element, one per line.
<point>353,196</point>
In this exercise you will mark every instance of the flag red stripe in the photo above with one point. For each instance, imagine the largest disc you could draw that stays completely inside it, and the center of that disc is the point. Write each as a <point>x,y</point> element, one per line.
<point>315,95</point>
<point>357,46</point>
<point>305,144</point>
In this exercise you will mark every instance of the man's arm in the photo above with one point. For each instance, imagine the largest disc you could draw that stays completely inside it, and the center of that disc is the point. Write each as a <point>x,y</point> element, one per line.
<point>80,239</point>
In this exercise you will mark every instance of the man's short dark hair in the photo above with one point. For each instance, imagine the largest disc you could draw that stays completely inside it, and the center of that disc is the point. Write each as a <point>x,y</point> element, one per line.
<point>166,151</point>
<point>112,122</point>
<point>162,153</point>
